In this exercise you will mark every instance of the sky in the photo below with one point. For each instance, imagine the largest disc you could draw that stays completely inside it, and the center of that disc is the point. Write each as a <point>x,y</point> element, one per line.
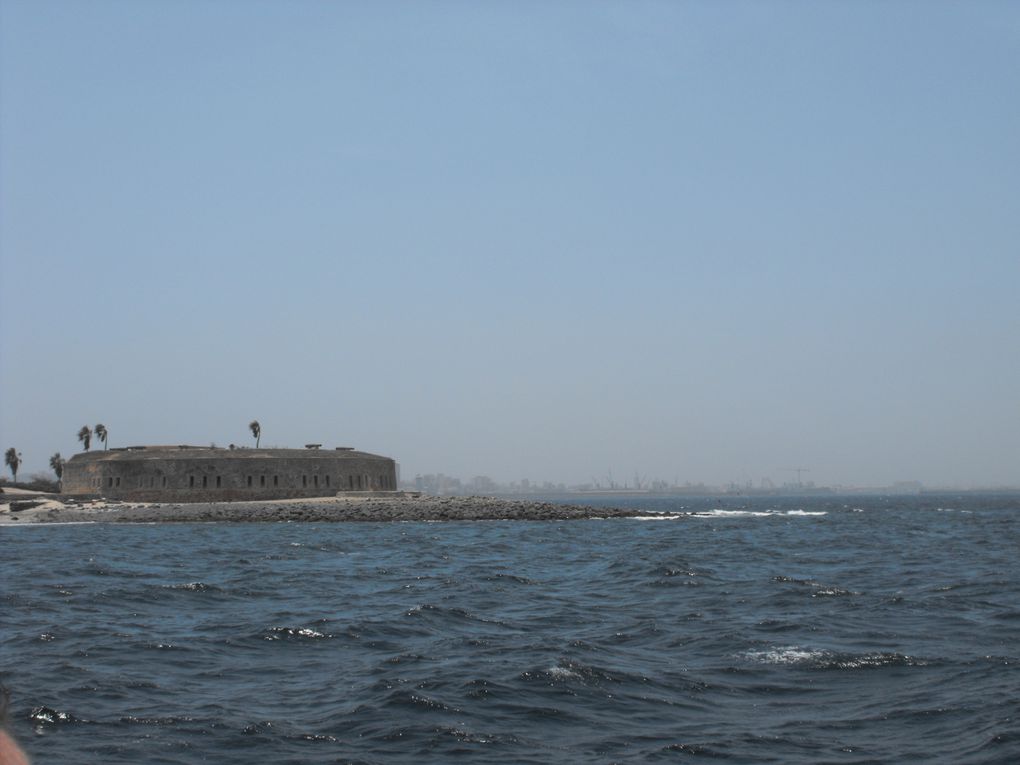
<point>699,241</point>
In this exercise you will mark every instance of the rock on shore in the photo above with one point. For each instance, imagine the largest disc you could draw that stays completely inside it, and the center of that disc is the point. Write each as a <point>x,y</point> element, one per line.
<point>328,510</point>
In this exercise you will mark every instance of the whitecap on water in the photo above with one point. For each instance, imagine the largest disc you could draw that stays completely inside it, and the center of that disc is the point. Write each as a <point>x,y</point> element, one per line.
<point>828,660</point>
<point>193,586</point>
<point>562,673</point>
<point>50,715</point>
<point>720,513</point>
<point>278,633</point>
<point>784,655</point>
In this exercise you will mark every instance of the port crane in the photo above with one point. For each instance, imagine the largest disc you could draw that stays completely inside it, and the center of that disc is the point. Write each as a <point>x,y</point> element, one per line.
<point>798,471</point>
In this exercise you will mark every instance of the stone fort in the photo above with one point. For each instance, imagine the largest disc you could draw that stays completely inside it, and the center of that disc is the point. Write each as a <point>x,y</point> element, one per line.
<point>213,474</point>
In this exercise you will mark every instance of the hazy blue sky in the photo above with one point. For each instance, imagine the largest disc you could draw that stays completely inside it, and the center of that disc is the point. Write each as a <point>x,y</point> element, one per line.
<point>708,241</point>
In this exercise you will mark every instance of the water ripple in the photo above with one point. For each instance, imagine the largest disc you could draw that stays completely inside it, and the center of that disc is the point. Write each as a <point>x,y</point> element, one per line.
<point>795,631</point>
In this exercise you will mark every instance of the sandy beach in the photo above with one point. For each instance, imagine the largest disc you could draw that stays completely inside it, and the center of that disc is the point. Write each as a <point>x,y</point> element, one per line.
<point>21,508</point>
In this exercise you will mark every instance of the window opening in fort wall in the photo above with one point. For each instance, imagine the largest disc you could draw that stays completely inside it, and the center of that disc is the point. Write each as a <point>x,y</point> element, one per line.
<point>210,474</point>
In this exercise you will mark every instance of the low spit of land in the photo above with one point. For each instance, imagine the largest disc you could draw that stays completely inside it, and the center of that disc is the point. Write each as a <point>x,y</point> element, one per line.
<point>24,508</point>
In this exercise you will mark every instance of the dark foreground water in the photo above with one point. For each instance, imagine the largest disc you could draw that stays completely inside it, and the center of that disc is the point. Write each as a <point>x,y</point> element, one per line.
<point>800,630</point>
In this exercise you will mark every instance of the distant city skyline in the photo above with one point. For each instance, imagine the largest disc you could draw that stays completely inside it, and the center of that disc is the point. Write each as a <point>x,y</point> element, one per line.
<point>442,483</point>
<point>704,241</point>
<point>605,479</point>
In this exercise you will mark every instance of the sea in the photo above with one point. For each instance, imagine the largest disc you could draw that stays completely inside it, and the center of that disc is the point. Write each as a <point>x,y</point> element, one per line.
<point>828,629</point>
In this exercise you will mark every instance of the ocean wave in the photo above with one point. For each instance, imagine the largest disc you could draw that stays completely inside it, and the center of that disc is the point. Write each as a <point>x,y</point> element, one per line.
<point>283,633</point>
<point>317,737</point>
<point>170,720</point>
<point>50,716</point>
<point>510,578</point>
<point>260,728</point>
<point>783,655</point>
<point>672,576</point>
<point>818,589</point>
<point>562,673</point>
<point>571,670</point>
<point>872,660</point>
<point>695,750</point>
<point>721,513</point>
<point>191,587</point>
<point>684,571</point>
<point>830,660</point>
<point>429,611</point>
<point>402,698</point>
<point>467,737</point>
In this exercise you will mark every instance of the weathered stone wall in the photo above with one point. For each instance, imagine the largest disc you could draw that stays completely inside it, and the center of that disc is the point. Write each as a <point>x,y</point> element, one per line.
<point>197,474</point>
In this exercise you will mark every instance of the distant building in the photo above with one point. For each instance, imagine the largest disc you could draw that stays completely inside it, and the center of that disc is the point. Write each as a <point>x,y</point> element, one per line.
<point>212,474</point>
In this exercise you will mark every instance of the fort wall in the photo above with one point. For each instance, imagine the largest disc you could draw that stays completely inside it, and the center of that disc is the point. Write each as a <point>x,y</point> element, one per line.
<point>210,474</point>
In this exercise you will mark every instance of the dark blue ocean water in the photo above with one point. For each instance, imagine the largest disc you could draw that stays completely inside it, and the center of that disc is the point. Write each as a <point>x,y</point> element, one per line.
<point>797,630</point>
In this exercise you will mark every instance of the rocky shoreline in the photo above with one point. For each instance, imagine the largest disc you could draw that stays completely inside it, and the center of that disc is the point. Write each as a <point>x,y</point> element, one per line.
<point>324,510</point>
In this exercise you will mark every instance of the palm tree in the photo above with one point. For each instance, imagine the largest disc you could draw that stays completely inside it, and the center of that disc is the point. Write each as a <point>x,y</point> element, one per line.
<point>57,463</point>
<point>13,460</point>
<point>85,436</point>
<point>256,430</point>
<point>100,431</point>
